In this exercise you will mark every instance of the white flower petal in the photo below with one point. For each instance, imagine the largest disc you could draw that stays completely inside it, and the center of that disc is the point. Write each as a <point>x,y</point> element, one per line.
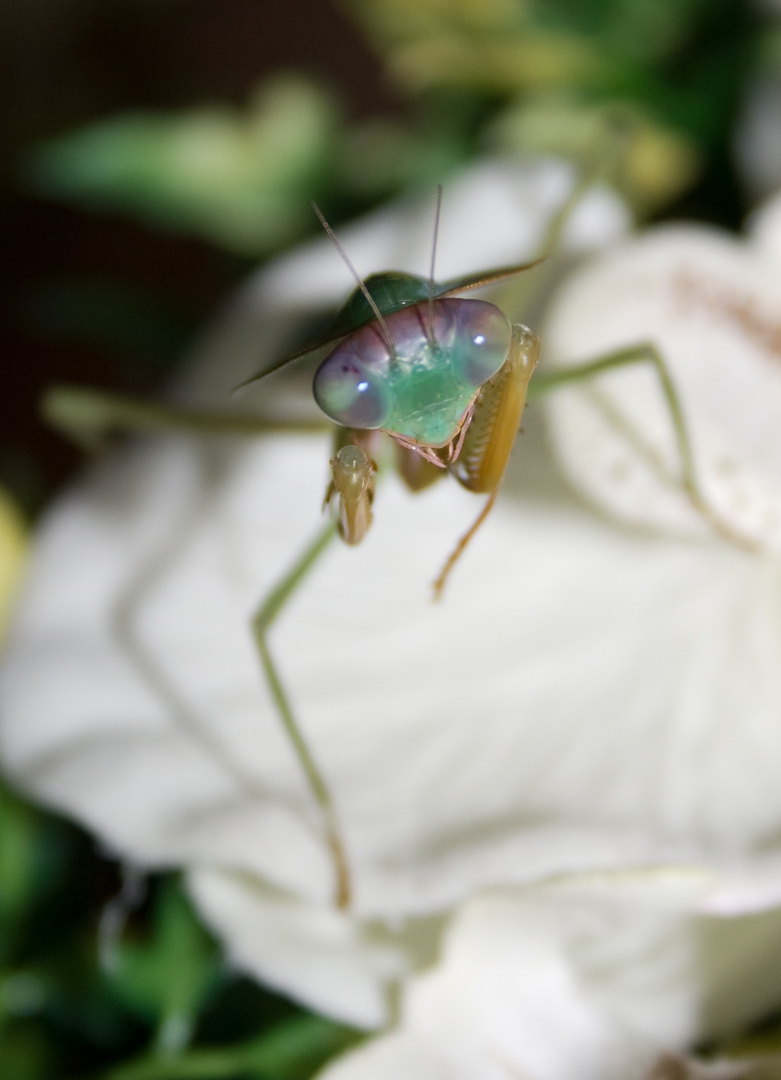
<point>711,306</point>
<point>312,952</point>
<point>764,229</point>
<point>584,982</point>
<point>562,709</point>
<point>584,698</point>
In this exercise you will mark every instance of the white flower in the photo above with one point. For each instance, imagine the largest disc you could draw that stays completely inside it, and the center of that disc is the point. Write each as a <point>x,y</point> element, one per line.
<point>711,306</point>
<point>132,695</point>
<point>765,229</point>
<point>586,697</point>
<point>602,979</point>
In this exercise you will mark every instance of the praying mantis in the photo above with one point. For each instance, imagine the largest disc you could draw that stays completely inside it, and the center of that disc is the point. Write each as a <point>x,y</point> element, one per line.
<point>446,379</point>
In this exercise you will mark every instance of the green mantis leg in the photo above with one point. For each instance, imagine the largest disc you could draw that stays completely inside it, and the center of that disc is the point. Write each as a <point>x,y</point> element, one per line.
<point>262,621</point>
<point>87,416</point>
<point>647,353</point>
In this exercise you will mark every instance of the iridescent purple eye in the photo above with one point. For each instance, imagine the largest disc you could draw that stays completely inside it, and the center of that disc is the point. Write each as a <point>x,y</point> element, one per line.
<point>349,393</point>
<point>481,338</point>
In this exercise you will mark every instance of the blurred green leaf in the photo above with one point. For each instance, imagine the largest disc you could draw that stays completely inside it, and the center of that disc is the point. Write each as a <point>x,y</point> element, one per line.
<point>649,163</point>
<point>167,978</point>
<point>25,1054</point>
<point>290,1051</point>
<point>20,867</point>
<point>294,1050</point>
<point>242,180</point>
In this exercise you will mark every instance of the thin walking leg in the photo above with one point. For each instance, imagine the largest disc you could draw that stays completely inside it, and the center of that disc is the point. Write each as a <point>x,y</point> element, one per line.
<point>262,622</point>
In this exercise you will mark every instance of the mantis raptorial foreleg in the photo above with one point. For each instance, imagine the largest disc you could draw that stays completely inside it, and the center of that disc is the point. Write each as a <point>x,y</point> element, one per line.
<point>490,437</point>
<point>647,353</point>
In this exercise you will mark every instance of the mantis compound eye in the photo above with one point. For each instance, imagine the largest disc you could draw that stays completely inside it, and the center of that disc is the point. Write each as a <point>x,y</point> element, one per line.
<point>349,393</point>
<point>477,341</point>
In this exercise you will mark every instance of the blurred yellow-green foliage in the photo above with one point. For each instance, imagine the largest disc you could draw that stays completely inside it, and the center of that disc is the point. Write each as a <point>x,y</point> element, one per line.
<point>13,547</point>
<point>664,75</point>
<point>240,178</point>
<point>648,87</point>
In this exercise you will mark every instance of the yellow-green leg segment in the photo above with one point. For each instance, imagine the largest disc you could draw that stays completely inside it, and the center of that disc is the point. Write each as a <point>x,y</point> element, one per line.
<point>647,353</point>
<point>262,622</point>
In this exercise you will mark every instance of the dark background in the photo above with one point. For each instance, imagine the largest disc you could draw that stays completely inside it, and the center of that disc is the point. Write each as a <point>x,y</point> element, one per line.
<point>64,63</point>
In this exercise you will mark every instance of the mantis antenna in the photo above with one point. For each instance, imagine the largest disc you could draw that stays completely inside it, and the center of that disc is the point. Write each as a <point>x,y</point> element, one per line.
<point>361,284</point>
<point>430,326</point>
